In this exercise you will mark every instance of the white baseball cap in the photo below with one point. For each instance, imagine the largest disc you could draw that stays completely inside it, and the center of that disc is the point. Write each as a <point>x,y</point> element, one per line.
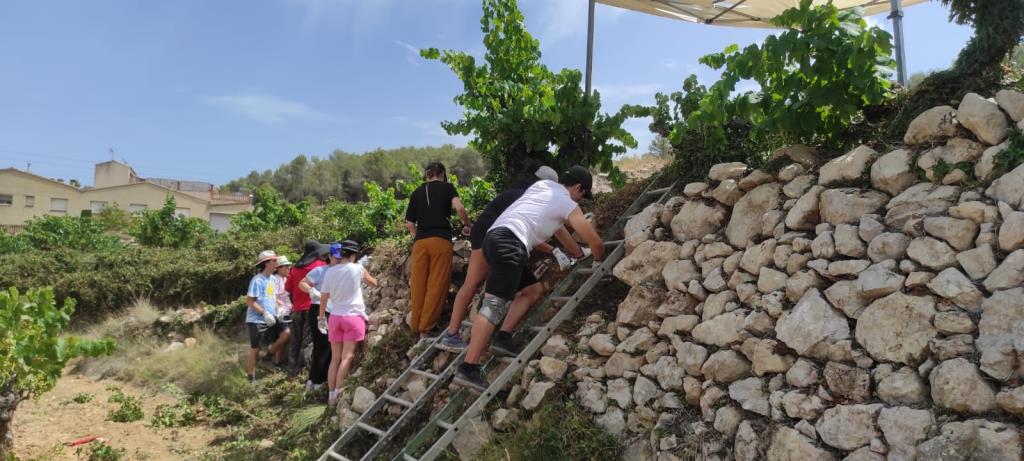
<point>546,172</point>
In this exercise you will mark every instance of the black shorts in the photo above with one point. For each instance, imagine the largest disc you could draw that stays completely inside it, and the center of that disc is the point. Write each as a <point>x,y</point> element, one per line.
<point>509,261</point>
<point>262,335</point>
<point>478,233</point>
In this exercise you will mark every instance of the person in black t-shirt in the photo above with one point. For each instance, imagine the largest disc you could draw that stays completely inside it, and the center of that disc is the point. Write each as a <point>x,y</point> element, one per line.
<point>430,206</point>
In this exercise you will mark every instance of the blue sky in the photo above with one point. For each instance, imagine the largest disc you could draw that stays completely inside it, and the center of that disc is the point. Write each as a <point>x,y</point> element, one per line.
<point>195,89</point>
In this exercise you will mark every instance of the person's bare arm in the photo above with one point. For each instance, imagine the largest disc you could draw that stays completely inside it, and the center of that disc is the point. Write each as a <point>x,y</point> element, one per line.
<point>323,303</point>
<point>463,215</point>
<point>587,232</point>
<point>565,238</point>
<point>254,305</point>
<point>305,285</point>
<point>544,248</point>
<point>369,279</point>
<point>412,228</point>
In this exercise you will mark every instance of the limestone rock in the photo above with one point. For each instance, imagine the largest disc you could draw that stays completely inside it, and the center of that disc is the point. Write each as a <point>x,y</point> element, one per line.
<point>749,393</point>
<point>812,326</point>
<point>931,253</point>
<point>847,267</point>
<point>1009,273</point>
<point>722,330</point>
<point>959,233</point>
<point>933,125</point>
<point>889,245</point>
<point>788,445</point>
<point>678,274</point>
<point>977,262</point>
<point>602,344</point>
<point>639,341</point>
<point>802,406</point>
<point>669,375</point>
<point>640,304</point>
<point>727,193</point>
<point>955,286</point>
<point>986,165</point>
<point>620,392</point>
<point>725,366</point>
<point>802,374</point>
<point>846,296</point>
<point>797,186</point>
<point>758,256</point>
<point>957,385</point>
<point>677,324</point>
<point>613,421</point>
<point>848,167</point>
<point>556,346</point>
<point>552,368</point>
<point>952,347</point>
<point>723,171</point>
<point>696,219</point>
<point>983,118</point>
<point>799,153</point>
<point>747,443</point>
<point>851,383</point>
<point>1011,232</point>
<point>897,328</point>
<point>848,427</point>
<point>976,211</point>
<point>1008,188</point>
<point>953,323</point>
<point>922,199</point>
<point>880,280</point>
<point>999,333</point>
<point>847,241</point>
<point>690,357</point>
<point>646,262</point>
<point>1011,400</point>
<point>975,439</point>
<point>764,358</point>
<point>640,227</point>
<point>644,390</point>
<point>771,280</point>
<point>621,362</point>
<point>805,215</point>
<point>472,439</point>
<point>902,387</point>
<point>694,189</point>
<point>904,428</point>
<point>847,205</point>
<point>535,395</point>
<point>745,222</point>
<point>956,151</point>
<point>1012,102</point>
<point>799,283</point>
<point>362,399</point>
<point>894,172</point>
<point>727,420</point>
<point>504,419</point>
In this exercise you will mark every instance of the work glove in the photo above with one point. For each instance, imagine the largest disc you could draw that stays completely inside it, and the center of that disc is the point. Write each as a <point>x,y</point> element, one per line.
<point>321,324</point>
<point>596,264</point>
<point>314,295</point>
<point>586,252</point>
<point>563,261</point>
<point>364,261</point>
<point>269,319</point>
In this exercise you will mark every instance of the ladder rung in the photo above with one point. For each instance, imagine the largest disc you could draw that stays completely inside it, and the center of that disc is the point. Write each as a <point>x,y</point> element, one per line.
<point>336,456</point>
<point>658,191</point>
<point>613,243</point>
<point>371,429</point>
<point>393,399</point>
<point>425,374</point>
<point>445,425</point>
<point>585,270</point>
<point>536,329</point>
<point>561,299</point>
<point>407,457</point>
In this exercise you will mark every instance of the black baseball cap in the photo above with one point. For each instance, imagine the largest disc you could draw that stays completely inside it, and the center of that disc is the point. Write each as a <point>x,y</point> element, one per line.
<point>579,175</point>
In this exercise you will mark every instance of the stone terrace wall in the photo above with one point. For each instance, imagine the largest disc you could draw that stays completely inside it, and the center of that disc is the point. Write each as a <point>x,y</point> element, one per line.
<point>841,311</point>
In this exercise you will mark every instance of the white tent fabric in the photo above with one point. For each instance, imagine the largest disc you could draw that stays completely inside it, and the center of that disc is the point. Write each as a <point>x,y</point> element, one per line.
<point>738,13</point>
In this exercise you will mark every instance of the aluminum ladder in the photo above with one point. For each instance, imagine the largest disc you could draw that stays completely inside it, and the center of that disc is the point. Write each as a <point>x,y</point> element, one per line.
<point>385,438</point>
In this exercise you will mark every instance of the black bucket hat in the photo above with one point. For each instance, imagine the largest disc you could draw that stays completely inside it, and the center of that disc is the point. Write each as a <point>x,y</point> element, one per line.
<point>312,251</point>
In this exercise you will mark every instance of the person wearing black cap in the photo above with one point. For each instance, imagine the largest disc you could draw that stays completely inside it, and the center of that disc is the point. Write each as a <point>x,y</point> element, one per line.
<point>544,208</point>
<point>313,255</point>
<point>427,218</point>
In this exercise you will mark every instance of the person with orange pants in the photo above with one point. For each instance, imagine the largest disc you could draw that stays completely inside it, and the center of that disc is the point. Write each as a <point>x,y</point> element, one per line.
<point>426,217</point>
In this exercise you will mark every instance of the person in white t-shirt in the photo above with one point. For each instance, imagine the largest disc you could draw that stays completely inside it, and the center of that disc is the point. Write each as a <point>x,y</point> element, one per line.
<point>531,220</point>
<point>342,298</point>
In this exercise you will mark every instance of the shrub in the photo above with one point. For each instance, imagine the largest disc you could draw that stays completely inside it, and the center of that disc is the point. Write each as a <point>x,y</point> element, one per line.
<point>130,408</point>
<point>164,228</point>
<point>67,232</point>
<point>33,351</point>
<point>177,415</point>
<point>270,212</point>
<point>99,451</point>
<point>560,430</point>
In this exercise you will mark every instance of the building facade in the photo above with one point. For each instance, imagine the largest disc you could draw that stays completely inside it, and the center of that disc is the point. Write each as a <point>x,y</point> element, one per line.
<point>24,196</point>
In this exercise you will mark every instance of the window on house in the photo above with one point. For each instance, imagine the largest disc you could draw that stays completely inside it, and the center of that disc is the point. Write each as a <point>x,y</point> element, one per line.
<point>136,207</point>
<point>6,199</point>
<point>59,205</point>
<point>97,207</point>
<point>182,212</point>
<point>30,201</point>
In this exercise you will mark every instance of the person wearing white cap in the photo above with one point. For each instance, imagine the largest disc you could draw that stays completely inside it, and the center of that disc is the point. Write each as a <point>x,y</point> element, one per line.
<point>529,288</point>
<point>261,316</point>
<point>284,308</point>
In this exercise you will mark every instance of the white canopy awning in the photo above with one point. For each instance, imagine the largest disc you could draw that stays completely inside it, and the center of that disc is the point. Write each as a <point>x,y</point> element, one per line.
<point>738,13</point>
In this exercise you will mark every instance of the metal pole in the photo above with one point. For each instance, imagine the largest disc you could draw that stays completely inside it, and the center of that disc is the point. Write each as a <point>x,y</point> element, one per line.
<point>897,32</point>
<point>590,45</point>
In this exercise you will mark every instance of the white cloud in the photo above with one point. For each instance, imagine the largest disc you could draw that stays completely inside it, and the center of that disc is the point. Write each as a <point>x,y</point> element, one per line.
<point>412,56</point>
<point>628,93</point>
<point>270,109</point>
<point>560,19</point>
<point>360,14</point>
<point>668,63</point>
<point>433,130</point>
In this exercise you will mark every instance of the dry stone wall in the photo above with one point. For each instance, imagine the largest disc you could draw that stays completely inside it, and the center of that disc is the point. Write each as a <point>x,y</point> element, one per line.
<point>846,310</point>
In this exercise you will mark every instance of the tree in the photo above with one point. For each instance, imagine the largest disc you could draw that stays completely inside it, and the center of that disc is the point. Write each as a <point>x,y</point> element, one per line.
<point>660,147</point>
<point>270,212</point>
<point>998,27</point>
<point>517,110</point>
<point>165,228</point>
<point>32,351</point>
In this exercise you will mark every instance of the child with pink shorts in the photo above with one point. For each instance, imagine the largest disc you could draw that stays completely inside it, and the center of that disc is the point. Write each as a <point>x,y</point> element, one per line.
<point>342,298</point>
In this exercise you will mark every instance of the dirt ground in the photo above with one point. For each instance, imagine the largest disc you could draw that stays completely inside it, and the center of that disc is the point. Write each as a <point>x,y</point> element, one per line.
<point>44,427</point>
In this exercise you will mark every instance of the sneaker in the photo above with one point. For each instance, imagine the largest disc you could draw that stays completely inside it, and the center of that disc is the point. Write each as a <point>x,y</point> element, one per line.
<point>471,376</point>
<point>252,379</point>
<point>318,387</point>
<point>504,343</point>
<point>309,386</point>
<point>452,343</point>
